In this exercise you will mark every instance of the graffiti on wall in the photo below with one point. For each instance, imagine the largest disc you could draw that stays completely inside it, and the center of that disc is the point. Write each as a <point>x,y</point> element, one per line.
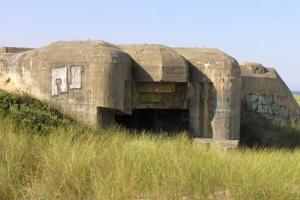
<point>265,104</point>
<point>61,83</point>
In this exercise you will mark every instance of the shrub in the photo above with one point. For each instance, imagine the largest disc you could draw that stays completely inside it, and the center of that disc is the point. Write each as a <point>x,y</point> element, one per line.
<point>26,111</point>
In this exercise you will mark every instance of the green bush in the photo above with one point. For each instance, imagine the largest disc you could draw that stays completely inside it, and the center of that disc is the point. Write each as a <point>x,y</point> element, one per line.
<point>26,111</point>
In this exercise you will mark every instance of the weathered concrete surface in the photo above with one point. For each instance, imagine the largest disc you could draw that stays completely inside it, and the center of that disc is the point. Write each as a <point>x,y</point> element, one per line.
<point>157,63</point>
<point>223,144</point>
<point>266,98</point>
<point>144,86</point>
<point>216,90</point>
<point>160,77</point>
<point>77,76</point>
<point>13,49</point>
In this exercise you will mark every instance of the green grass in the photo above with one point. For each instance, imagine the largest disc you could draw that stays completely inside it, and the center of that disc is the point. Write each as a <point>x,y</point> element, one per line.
<point>26,111</point>
<point>65,161</point>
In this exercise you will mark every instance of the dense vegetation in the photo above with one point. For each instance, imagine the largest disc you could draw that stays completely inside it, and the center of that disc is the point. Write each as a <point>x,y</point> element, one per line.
<point>52,158</point>
<point>28,112</point>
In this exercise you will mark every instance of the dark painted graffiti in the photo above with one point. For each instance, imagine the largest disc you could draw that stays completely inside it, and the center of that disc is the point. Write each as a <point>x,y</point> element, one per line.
<point>265,104</point>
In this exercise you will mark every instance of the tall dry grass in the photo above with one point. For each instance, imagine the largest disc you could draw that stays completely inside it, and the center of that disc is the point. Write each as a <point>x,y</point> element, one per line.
<point>297,99</point>
<point>71,163</point>
<point>45,156</point>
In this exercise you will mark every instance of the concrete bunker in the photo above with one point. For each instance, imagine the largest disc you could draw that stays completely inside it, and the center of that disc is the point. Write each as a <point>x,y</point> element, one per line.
<point>153,87</point>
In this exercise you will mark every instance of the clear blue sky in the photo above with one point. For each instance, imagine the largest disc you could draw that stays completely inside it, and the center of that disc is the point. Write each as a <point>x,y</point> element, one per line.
<point>265,31</point>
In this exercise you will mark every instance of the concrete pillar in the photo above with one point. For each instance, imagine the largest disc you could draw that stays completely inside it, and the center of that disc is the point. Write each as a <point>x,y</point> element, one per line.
<point>226,122</point>
<point>194,110</point>
<point>205,108</point>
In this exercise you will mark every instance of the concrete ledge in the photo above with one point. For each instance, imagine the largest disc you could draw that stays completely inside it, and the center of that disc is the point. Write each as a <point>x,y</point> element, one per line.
<point>224,144</point>
<point>229,144</point>
<point>13,49</point>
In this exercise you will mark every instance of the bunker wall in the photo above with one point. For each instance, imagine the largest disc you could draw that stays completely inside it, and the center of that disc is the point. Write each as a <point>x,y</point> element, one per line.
<point>267,100</point>
<point>223,113</point>
<point>77,77</point>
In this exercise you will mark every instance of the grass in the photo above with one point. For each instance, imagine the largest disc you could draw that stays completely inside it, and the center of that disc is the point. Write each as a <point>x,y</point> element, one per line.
<point>114,164</point>
<point>297,99</point>
<point>66,161</point>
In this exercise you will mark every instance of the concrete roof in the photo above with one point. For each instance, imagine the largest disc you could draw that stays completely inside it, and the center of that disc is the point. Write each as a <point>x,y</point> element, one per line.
<point>203,54</point>
<point>253,69</point>
<point>155,62</point>
<point>80,43</point>
<point>81,50</point>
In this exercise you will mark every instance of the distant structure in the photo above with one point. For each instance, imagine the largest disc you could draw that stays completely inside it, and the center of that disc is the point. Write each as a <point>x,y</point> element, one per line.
<point>203,91</point>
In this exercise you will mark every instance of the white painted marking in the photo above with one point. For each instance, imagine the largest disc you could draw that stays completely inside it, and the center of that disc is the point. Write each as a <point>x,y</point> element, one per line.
<point>59,80</point>
<point>76,77</point>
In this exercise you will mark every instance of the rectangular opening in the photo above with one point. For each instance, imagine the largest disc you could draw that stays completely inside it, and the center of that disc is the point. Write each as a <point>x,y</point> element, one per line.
<point>105,117</point>
<point>166,120</point>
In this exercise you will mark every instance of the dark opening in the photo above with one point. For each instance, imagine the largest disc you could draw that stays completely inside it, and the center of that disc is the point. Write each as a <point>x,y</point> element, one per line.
<point>166,120</point>
<point>105,117</point>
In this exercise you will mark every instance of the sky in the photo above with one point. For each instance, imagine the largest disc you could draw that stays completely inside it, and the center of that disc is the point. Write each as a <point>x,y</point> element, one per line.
<point>263,31</point>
